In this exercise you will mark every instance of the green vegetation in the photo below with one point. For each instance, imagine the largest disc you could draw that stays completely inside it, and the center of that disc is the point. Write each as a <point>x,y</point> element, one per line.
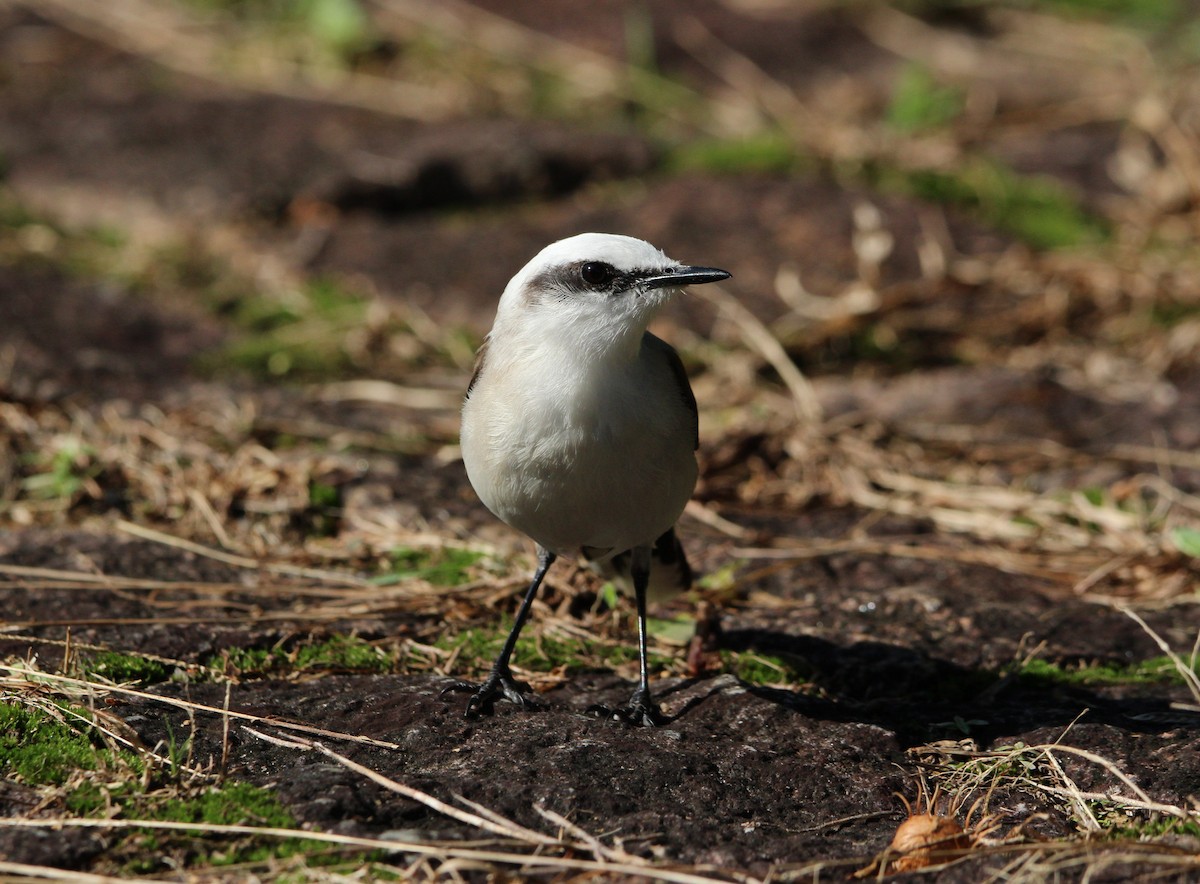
<point>28,238</point>
<point>62,472</point>
<point>341,653</point>
<point>768,152</point>
<point>1038,210</point>
<point>1154,827</point>
<point>1147,14</point>
<point>919,103</point>
<point>339,27</point>
<point>1186,540</point>
<point>298,335</point>
<point>41,749</point>
<point>444,566</point>
<point>677,630</point>
<point>477,649</point>
<point>1152,15</point>
<point>765,669</point>
<point>1156,670</point>
<point>125,668</point>
<point>324,513</point>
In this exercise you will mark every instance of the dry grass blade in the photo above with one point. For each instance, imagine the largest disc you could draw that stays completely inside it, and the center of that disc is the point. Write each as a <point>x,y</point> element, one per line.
<point>23,676</point>
<point>760,339</point>
<point>519,861</point>
<point>239,561</point>
<point>492,823</point>
<point>1186,671</point>
<point>23,871</point>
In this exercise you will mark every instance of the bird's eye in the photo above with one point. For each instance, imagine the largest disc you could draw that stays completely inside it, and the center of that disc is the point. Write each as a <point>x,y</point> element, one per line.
<point>597,273</point>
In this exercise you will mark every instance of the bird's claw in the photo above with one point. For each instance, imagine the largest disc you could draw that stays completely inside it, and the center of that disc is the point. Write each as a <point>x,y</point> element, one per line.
<point>641,711</point>
<point>497,686</point>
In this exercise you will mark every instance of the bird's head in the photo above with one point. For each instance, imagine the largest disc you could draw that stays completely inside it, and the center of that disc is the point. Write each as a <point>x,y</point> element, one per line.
<point>595,290</point>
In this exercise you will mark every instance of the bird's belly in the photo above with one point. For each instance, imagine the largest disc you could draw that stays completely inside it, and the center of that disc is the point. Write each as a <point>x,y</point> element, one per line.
<point>600,487</point>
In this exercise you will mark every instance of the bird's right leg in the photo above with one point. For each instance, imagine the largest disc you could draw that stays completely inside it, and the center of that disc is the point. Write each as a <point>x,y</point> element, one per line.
<point>500,685</point>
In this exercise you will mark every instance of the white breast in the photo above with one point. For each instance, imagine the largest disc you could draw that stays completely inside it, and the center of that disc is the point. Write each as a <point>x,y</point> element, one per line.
<point>585,457</point>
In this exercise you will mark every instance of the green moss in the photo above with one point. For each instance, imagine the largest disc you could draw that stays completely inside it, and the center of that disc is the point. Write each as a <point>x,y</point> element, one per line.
<point>444,566</point>
<point>125,668</point>
<point>765,669</point>
<point>247,661</point>
<point>769,152</point>
<point>1036,209</point>
<point>229,805</point>
<point>919,103</point>
<point>61,473</point>
<point>40,749</point>
<point>338,652</point>
<point>1146,14</point>
<point>299,335</point>
<point>1157,670</point>
<point>1154,828</point>
<point>343,652</point>
<point>477,649</point>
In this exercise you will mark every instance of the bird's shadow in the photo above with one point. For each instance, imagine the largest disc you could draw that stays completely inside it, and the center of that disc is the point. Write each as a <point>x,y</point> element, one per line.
<point>922,698</point>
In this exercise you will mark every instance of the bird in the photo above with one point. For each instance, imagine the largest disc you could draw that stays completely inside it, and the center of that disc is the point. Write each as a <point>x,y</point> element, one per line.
<point>580,430</point>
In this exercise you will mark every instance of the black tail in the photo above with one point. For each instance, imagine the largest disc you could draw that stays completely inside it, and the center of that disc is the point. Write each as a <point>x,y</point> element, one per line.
<point>670,572</point>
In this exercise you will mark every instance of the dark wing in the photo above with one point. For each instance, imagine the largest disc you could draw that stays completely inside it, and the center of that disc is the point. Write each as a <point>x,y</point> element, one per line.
<point>480,355</point>
<point>681,379</point>
<point>670,571</point>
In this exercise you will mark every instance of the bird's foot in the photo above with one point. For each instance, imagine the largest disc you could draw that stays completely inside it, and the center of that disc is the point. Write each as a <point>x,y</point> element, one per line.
<point>497,686</point>
<point>641,711</point>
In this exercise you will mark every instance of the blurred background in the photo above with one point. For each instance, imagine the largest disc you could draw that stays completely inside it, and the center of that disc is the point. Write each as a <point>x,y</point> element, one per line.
<point>976,218</point>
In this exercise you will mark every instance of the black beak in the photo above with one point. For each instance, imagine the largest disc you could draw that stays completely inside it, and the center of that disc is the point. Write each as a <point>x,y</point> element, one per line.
<point>684,275</point>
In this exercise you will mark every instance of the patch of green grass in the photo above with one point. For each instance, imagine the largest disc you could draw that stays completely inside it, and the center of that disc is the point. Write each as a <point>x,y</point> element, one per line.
<point>341,28</point>
<point>338,652</point>
<point>248,661</point>
<point>1186,540</point>
<point>723,578</point>
<point>768,152</point>
<point>232,804</point>
<point>1146,14</point>
<point>1038,210</point>
<point>1157,670</point>
<point>1151,15</point>
<point>765,669</point>
<point>60,473</point>
<point>324,514</point>
<point>479,647</point>
<point>125,668</point>
<point>343,652</point>
<point>297,335</point>
<point>444,566</point>
<point>1153,828</point>
<point>919,103</point>
<point>1171,314</point>
<point>229,804</point>
<point>40,749</point>
<point>86,252</point>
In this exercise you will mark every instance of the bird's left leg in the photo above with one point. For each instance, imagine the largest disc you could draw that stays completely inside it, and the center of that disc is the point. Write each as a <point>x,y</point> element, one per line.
<point>500,684</point>
<point>641,710</point>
